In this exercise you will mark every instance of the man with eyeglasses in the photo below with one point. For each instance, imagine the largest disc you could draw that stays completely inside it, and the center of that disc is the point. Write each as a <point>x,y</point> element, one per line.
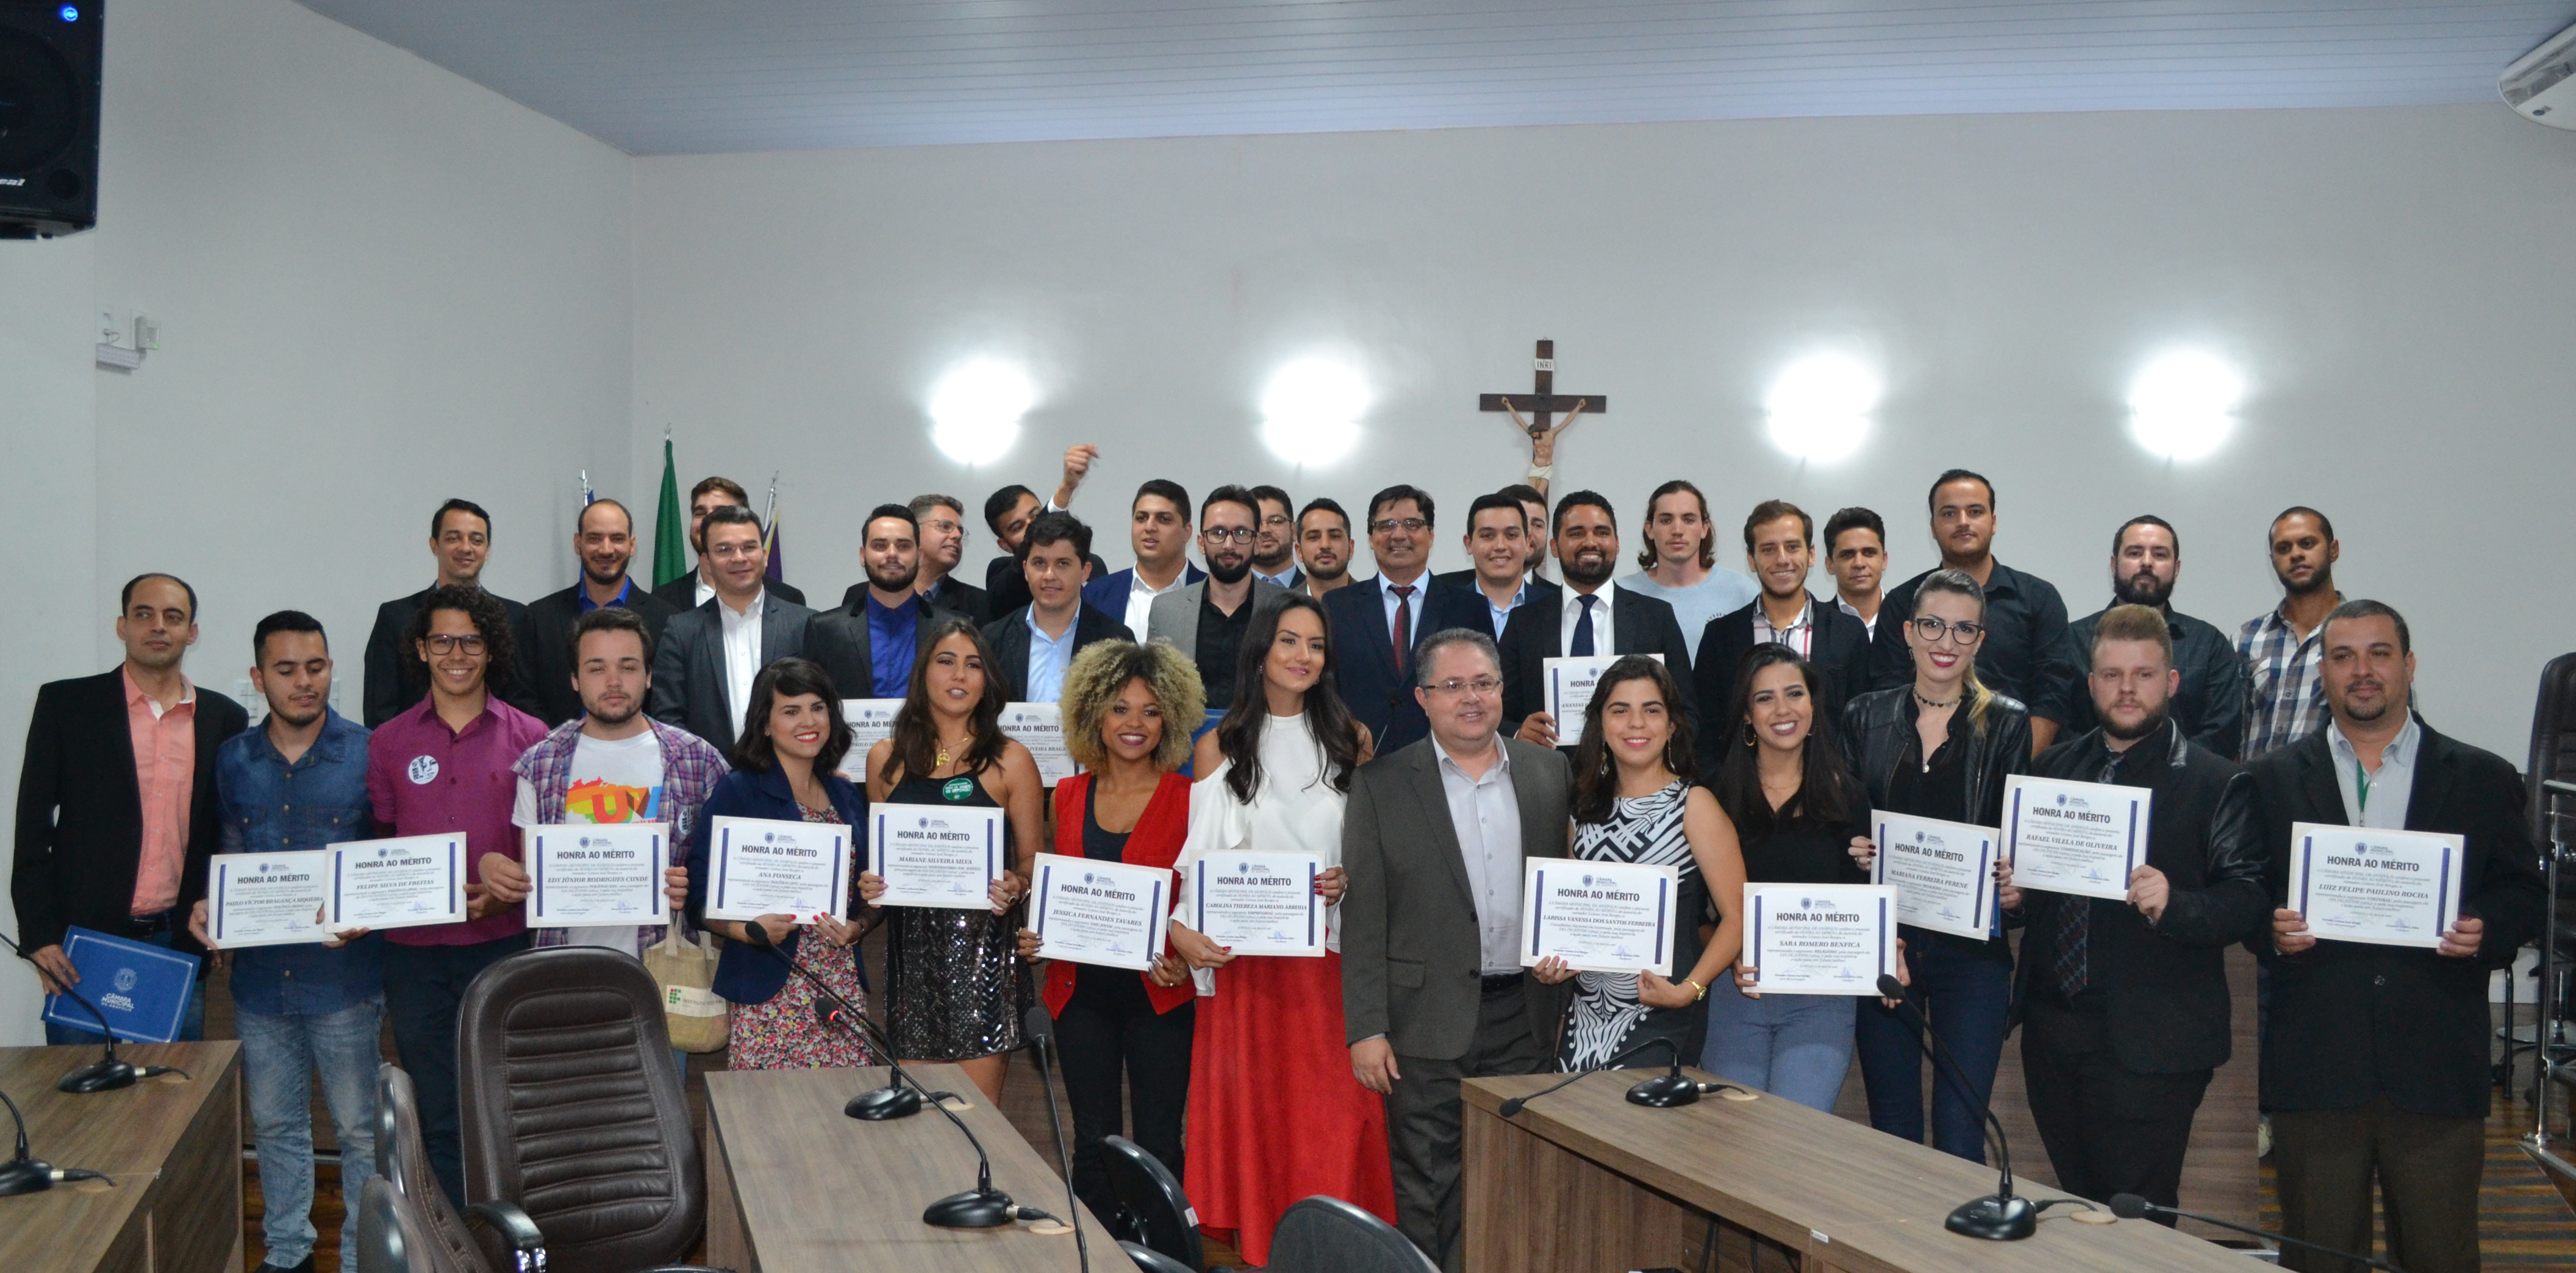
<point>1590,618</point>
<point>1274,540</point>
<point>1158,528</point>
<point>446,767</point>
<point>1378,622</point>
<point>1206,620</point>
<point>1432,988</point>
<point>460,539</point>
<point>2027,652</point>
<point>704,664</point>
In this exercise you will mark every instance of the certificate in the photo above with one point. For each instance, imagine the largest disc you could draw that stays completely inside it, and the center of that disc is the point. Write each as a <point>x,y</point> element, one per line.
<point>1040,728</point>
<point>1820,939</point>
<point>1100,912</point>
<point>1943,872</point>
<point>268,899</point>
<point>406,882</point>
<point>581,874</point>
<point>937,855</point>
<point>2075,837</point>
<point>763,867</point>
<point>1601,916</point>
<point>2392,888</point>
<point>1259,903</point>
<point>1569,691</point>
<point>870,719</point>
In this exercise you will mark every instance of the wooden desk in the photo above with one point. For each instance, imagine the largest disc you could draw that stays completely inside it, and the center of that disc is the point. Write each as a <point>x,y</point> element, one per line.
<point>1581,1181</point>
<point>793,1186</point>
<point>174,1150</point>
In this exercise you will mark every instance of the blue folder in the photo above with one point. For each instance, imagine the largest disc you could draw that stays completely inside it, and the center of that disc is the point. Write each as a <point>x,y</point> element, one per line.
<point>140,988</point>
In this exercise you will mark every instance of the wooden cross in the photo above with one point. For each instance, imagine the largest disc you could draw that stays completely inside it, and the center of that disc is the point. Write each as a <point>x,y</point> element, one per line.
<point>1543,401</point>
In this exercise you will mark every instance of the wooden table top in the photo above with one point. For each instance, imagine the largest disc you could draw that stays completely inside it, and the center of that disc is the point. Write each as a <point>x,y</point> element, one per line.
<point>823,1193</point>
<point>128,1134</point>
<point>1814,1181</point>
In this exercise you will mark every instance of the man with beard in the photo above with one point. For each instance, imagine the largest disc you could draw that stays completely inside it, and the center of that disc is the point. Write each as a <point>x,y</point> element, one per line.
<point>2284,684</point>
<point>869,647</point>
<point>2123,1003</point>
<point>1780,546</point>
<point>1158,530</point>
<point>1274,541</point>
<point>2025,652</point>
<point>1206,620</point>
<point>1589,618</point>
<point>1323,546</point>
<point>604,540</point>
<point>705,662</point>
<point>2146,559</point>
<point>942,524</point>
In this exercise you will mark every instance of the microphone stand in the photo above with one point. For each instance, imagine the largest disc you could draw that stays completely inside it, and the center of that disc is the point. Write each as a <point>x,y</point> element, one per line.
<point>893,1100</point>
<point>1040,1031</point>
<point>107,1073</point>
<point>1664,1091</point>
<point>26,1173</point>
<point>1999,1216</point>
<point>2129,1206</point>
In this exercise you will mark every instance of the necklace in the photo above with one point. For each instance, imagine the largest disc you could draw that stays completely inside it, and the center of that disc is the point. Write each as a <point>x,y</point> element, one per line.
<point>1930,702</point>
<point>947,749</point>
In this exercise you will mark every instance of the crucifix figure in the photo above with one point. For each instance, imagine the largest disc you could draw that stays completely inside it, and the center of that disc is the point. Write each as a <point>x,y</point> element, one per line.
<point>1541,404</point>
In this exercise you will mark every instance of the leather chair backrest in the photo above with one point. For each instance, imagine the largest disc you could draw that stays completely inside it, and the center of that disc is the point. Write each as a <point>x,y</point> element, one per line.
<point>2553,744</point>
<point>572,1108</point>
<point>429,1237</point>
<point>1155,1210</point>
<point>1328,1235</point>
<point>1149,1260</point>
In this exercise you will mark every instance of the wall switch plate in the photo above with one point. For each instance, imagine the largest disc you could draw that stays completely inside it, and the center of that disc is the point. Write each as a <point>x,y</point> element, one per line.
<point>147,333</point>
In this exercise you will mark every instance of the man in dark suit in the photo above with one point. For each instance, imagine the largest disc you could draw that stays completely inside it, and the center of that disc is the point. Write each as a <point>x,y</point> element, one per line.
<point>1033,645</point>
<point>2146,561</point>
<point>116,799</point>
<point>1779,547</point>
<point>460,537</point>
<point>870,647</point>
<point>695,588</point>
<point>2375,1058</point>
<point>706,661</point>
<point>1587,550</point>
<point>1432,988</point>
<point>1485,595</point>
<point>942,526</point>
<point>1274,541</point>
<point>1008,512</point>
<point>2123,1003</point>
<point>604,540</point>
<point>1158,529</point>
<point>1378,622</point>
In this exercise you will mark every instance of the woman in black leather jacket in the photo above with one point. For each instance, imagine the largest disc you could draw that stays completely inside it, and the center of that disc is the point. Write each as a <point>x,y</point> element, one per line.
<point>1939,748</point>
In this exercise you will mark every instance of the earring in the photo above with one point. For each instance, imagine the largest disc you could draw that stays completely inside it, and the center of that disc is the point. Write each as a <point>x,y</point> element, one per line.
<point>1748,733</point>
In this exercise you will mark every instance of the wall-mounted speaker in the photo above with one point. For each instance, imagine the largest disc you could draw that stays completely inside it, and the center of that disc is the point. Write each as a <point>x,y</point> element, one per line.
<point>49,61</point>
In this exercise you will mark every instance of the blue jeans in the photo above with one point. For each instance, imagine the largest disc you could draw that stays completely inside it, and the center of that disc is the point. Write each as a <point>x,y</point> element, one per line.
<point>279,1056</point>
<point>1797,1047</point>
<point>424,986</point>
<point>192,1023</point>
<point>1965,996</point>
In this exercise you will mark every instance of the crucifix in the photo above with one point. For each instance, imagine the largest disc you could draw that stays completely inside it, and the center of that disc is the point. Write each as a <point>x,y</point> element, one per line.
<point>1542,403</point>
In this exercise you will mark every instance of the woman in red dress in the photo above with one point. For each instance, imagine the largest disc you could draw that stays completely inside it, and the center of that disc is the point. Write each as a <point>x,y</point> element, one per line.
<point>1275,1115</point>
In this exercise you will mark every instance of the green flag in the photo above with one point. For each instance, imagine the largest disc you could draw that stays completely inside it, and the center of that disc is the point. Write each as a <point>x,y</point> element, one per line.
<point>670,559</point>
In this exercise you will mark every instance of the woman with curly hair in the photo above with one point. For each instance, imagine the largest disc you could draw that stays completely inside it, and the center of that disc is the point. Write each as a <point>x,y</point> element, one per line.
<point>1128,713</point>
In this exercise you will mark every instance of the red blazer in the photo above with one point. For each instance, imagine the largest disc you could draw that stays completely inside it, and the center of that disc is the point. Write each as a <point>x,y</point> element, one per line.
<point>1160,832</point>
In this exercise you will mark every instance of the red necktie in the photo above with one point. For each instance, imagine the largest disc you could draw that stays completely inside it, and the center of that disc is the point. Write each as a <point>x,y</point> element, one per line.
<point>1403,626</point>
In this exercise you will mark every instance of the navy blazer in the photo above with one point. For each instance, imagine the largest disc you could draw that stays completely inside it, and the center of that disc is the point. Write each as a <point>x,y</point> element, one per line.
<point>1379,696</point>
<point>743,974</point>
<point>1108,593</point>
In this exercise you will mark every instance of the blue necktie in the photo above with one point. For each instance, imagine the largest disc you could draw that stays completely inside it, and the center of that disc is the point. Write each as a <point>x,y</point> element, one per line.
<point>1582,647</point>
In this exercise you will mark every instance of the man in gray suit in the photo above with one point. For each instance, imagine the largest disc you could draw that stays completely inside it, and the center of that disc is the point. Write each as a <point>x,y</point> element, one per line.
<point>1206,620</point>
<point>703,669</point>
<point>1436,833</point>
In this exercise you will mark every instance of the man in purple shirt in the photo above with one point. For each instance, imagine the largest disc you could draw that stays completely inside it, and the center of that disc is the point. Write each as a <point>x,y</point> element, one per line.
<point>444,767</point>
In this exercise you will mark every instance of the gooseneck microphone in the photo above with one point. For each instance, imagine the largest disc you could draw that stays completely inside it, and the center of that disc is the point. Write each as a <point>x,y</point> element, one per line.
<point>1999,1216</point>
<point>1664,1091</point>
<point>107,1073</point>
<point>1039,1029</point>
<point>2129,1206</point>
<point>894,1100</point>
<point>23,1173</point>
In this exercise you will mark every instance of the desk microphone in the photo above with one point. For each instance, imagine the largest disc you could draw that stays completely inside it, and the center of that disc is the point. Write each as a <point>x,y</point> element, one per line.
<point>2129,1206</point>
<point>1039,1029</point>
<point>1999,1216</point>
<point>1664,1091</point>
<point>894,1100</point>
<point>24,1173</point>
<point>107,1073</point>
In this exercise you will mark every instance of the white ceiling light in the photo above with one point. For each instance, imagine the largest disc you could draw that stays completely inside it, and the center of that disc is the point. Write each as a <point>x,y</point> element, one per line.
<point>2183,405</point>
<point>975,412</point>
<point>1820,407</point>
<point>1310,413</point>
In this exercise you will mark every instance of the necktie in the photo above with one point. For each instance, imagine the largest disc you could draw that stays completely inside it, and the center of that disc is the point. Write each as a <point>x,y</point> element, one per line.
<point>2073,967</point>
<point>1582,647</point>
<point>1403,626</point>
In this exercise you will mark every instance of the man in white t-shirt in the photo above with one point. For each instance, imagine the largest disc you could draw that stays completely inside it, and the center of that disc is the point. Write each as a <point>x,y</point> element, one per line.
<point>612,765</point>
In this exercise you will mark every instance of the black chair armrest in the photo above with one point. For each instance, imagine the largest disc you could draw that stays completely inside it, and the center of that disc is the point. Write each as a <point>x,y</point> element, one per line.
<point>513,1227</point>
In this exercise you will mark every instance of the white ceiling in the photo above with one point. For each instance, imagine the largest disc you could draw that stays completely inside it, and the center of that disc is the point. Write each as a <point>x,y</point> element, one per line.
<point>699,76</point>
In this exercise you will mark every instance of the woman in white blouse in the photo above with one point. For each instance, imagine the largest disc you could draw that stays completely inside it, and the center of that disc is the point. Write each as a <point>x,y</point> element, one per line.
<point>1272,781</point>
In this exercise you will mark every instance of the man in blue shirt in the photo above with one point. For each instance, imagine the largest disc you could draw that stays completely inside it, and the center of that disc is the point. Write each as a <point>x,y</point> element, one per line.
<point>300,782</point>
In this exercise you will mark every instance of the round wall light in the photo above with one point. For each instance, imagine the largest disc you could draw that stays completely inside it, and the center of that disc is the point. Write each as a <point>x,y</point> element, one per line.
<point>2183,405</point>
<point>975,410</point>
<point>1820,407</point>
<point>1310,411</point>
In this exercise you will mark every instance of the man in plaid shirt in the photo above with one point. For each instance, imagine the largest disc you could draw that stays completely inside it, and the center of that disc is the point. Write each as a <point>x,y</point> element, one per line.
<point>2284,689</point>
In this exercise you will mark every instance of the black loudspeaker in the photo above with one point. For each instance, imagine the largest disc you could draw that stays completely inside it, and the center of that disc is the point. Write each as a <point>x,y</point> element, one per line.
<point>49,60</point>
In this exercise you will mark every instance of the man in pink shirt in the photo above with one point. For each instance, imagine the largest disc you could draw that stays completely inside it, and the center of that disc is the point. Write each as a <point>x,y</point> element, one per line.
<point>116,802</point>
<point>443,767</point>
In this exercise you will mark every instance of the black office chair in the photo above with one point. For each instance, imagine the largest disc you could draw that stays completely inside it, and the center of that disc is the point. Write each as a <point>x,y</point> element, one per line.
<point>2553,755</point>
<point>1152,1210</point>
<point>1151,1260</point>
<point>432,1236</point>
<point>393,1234</point>
<point>1328,1235</point>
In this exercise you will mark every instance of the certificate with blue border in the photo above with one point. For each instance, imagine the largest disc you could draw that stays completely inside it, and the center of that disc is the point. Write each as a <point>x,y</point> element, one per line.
<point>2387,888</point>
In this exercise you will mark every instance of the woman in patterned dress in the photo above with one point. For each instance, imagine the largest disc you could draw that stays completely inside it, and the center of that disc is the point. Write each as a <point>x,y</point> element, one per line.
<point>792,742</point>
<point>1633,804</point>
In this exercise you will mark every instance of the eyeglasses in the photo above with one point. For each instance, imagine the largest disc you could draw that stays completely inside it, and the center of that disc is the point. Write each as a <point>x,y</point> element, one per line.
<point>1931,626</point>
<point>442,643</point>
<point>1415,524</point>
<point>1240,535</point>
<point>1481,687</point>
<point>731,552</point>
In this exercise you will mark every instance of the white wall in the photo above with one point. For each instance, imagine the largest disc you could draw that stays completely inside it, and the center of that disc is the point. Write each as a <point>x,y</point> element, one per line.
<point>378,285</point>
<point>2386,278</point>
